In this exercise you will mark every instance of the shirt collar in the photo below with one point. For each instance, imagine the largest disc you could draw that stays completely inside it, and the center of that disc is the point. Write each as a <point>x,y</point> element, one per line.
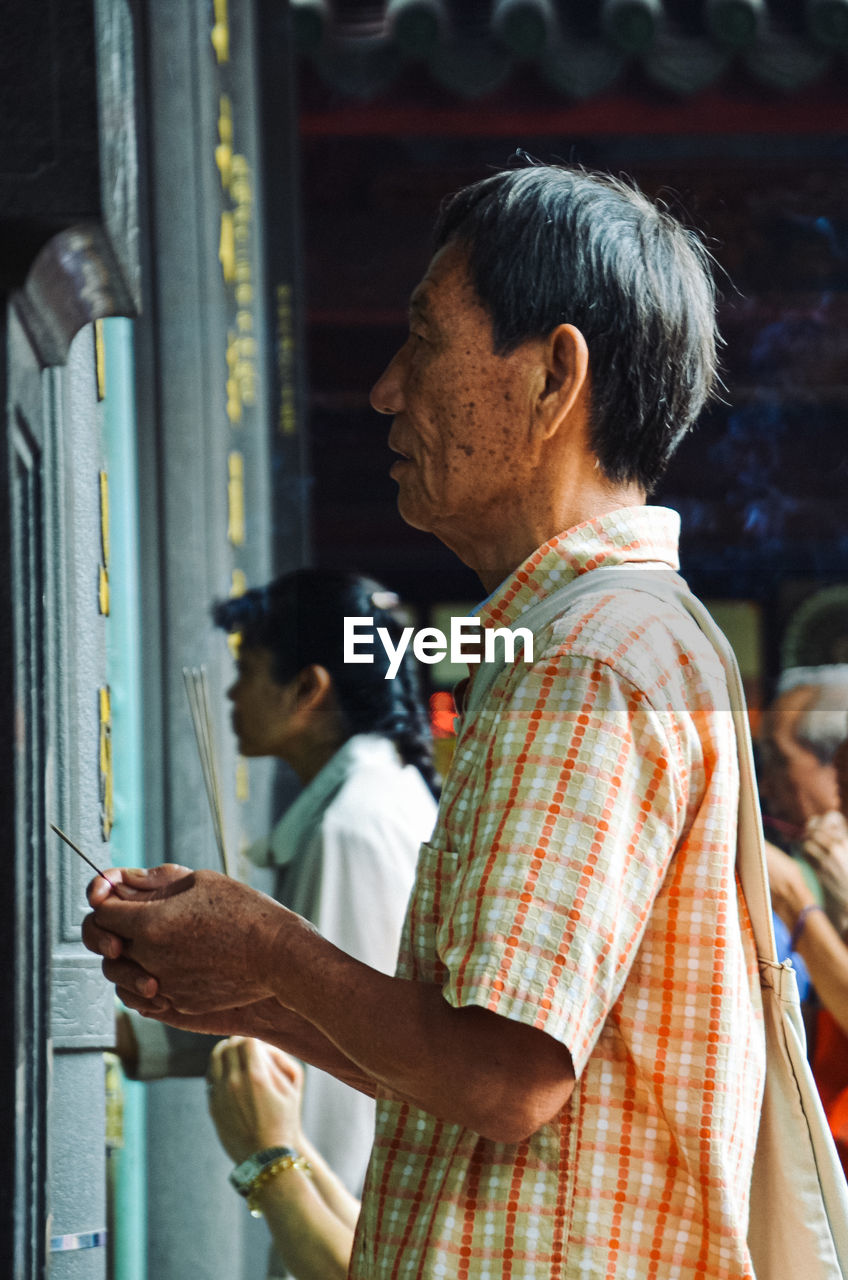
<point>363,750</point>
<point>629,535</point>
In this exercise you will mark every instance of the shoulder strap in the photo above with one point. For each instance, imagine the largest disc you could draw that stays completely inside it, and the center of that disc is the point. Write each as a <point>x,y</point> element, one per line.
<point>672,589</point>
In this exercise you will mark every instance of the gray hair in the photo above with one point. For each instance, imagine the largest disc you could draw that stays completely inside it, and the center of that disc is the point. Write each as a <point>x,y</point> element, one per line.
<point>823,725</point>
<point>549,245</point>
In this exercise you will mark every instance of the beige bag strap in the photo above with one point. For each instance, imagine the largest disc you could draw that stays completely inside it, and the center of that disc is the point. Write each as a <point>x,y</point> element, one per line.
<point>750,842</point>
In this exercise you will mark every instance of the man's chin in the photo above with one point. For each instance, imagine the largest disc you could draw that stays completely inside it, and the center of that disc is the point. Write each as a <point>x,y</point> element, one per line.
<point>413,513</point>
<point>449,531</point>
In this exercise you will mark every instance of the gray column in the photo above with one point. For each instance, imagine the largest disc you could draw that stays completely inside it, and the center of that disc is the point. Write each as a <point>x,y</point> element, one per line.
<point>205,480</point>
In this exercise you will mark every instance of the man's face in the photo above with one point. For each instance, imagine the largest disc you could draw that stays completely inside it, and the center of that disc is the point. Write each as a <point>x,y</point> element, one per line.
<point>795,784</point>
<point>462,414</point>
<point>262,707</point>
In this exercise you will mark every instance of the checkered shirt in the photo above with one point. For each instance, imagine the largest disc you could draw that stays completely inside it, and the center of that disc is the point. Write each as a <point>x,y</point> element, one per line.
<point>581,880</point>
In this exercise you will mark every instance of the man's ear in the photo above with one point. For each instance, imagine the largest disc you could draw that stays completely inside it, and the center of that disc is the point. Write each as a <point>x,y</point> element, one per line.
<point>566,389</point>
<point>313,688</point>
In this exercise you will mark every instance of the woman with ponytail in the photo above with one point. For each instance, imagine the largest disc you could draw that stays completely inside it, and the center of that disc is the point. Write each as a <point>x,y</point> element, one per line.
<point>293,630</point>
<point>345,851</point>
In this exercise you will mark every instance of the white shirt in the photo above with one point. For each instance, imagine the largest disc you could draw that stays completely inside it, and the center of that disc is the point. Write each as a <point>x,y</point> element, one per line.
<point>346,850</point>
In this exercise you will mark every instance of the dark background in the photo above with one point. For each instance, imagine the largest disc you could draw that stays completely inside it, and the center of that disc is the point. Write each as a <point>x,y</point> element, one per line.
<point>760,483</point>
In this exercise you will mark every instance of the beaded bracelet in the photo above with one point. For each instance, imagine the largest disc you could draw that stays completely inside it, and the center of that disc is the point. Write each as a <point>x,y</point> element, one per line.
<point>801,922</point>
<point>270,1171</point>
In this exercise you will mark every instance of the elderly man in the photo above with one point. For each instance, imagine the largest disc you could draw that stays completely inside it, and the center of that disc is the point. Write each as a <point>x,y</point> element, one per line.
<point>568,1063</point>
<point>801,733</point>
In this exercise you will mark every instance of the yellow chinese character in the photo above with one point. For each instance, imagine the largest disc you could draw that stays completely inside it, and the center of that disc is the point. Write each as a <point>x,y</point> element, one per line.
<point>220,34</point>
<point>227,248</point>
<point>224,151</point>
<point>235,497</point>
<point>107,793</point>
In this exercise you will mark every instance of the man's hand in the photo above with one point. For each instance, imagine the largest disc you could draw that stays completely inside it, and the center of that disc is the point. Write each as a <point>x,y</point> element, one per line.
<point>254,1095</point>
<point>130,884</point>
<point>200,951</point>
<point>192,941</point>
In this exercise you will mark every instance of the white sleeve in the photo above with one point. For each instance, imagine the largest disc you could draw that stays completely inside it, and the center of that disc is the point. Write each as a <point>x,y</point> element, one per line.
<point>165,1052</point>
<point>365,879</point>
<point>366,874</point>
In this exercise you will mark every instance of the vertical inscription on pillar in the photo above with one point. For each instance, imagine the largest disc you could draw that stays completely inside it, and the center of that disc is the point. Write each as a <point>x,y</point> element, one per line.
<point>103,573</point>
<point>286,351</point>
<point>107,790</point>
<point>235,499</point>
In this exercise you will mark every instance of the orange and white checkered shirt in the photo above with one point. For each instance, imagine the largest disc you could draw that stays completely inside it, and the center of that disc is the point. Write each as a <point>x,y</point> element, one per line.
<point>581,880</point>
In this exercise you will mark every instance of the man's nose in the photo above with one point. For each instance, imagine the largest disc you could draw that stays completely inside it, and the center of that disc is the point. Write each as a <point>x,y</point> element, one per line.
<point>387,391</point>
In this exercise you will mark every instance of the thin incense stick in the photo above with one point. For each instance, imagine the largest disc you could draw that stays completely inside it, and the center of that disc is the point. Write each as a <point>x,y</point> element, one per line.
<point>213,771</point>
<point>205,720</point>
<point>197,693</point>
<point>200,720</point>
<point>77,849</point>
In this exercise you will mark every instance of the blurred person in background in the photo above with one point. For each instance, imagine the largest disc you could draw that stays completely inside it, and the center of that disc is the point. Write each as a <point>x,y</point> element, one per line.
<point>824,955</point>
<point>801,759</point>
<point>801,732</point>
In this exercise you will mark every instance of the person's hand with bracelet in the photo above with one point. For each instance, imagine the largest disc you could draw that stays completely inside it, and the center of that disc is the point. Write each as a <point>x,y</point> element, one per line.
<point>825,845</point>
<point>812,934</point>
<point>791,896</point>
<point>254,1093</point>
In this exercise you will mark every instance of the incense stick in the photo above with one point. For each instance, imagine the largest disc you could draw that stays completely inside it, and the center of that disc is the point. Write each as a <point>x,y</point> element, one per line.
<point>77,849</point>
<point>197,693</point>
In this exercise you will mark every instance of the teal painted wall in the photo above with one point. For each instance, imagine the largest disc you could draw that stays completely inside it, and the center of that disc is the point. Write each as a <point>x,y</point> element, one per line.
<point>127,1162</point>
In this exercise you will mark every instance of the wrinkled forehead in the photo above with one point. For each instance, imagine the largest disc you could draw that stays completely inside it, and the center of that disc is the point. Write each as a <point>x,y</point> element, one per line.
<point>447,275</point>
<point>446,293</point>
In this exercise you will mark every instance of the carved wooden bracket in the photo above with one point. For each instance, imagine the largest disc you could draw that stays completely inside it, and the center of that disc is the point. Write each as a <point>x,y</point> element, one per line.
<point>75,280</point>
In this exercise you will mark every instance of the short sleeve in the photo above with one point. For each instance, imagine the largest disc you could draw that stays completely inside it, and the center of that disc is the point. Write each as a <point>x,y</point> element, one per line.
<point>577,809</point>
